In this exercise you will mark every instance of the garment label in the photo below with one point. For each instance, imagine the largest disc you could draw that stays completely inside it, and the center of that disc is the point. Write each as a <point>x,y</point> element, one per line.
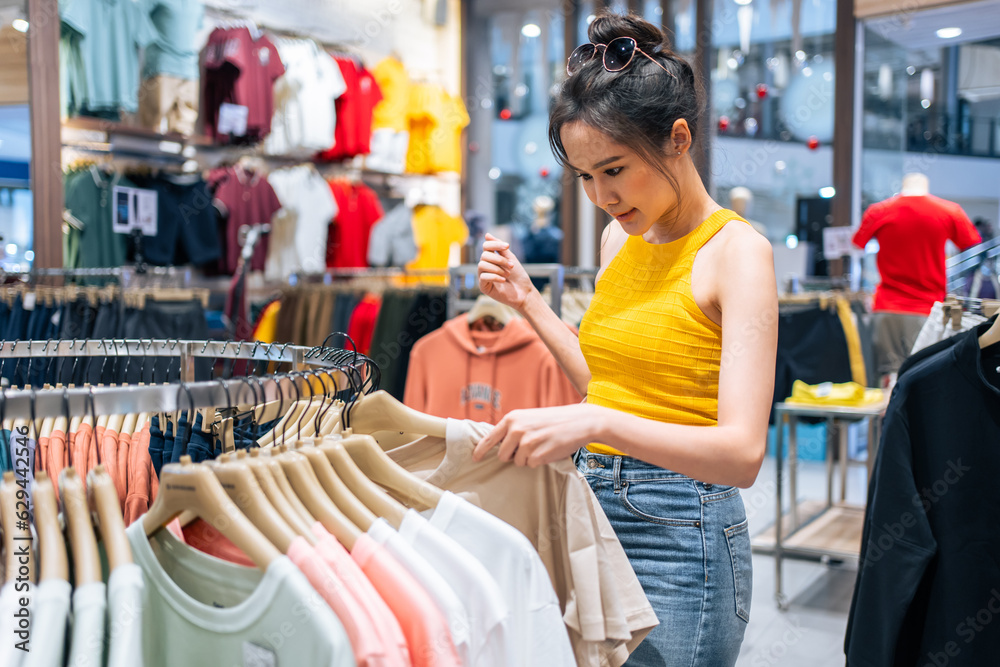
<point>837,242</point>
<point>28,303</point>
<point>233,119</point>
<point>824,389</point>
<point>258,656</point>
<point>135,208</point>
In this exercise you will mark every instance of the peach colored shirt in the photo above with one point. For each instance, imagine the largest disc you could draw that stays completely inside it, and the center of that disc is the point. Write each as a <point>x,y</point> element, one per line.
<point>339,560</point>
<point>142,483</point>
<point>424,626</point>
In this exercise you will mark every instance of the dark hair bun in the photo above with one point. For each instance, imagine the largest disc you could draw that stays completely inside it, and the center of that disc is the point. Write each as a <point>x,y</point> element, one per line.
<point>609,25</point>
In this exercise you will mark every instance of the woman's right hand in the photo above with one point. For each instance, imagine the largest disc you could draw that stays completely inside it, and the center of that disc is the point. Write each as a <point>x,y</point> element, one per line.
<point>501,275</point>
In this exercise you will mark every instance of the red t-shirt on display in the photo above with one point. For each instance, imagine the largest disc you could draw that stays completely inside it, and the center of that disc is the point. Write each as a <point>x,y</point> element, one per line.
<point>352,134</point>
<point>911,232</point>
<point>358,209</point>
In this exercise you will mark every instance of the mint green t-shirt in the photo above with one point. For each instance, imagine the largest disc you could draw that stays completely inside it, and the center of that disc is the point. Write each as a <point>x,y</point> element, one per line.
<point>112,33</point>
<point>175,51</point>
<point>200,610</point>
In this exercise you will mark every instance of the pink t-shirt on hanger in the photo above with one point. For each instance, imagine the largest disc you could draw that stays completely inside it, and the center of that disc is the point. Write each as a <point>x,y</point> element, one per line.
<point>339,560</point>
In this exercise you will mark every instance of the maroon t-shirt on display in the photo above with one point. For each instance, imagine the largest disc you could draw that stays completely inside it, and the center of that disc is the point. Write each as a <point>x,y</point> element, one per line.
<point>911,232</point>
<point>244,198</point>
<point>240,70</point>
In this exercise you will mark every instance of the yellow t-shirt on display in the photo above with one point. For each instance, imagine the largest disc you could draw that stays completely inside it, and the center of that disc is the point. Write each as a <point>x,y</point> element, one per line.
<point>436,123</point>
<point>392,112</point>
<point>434,232</point>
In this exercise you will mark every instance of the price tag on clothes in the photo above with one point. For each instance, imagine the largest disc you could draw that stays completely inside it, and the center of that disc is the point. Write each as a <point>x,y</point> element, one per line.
<point>135,208</point>
<point>233,119</point>
<point>837,242</point>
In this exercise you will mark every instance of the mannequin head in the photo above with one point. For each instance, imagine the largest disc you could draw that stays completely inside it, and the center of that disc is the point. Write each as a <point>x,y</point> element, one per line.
<point>740,199</point>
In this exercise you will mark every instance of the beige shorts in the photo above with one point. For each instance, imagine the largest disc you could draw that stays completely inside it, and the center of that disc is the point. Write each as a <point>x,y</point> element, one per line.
<point>169,104</point>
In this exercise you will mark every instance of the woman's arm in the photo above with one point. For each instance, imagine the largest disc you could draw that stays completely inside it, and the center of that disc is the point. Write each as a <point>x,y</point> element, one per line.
<point>729,453</point>
<point>502,277</point>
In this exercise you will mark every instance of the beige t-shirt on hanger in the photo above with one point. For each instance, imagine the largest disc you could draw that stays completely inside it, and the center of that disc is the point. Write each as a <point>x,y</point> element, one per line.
<point>603,604</point>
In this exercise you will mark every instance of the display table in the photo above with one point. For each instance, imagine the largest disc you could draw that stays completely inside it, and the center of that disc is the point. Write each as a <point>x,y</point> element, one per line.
<point>818,530</point>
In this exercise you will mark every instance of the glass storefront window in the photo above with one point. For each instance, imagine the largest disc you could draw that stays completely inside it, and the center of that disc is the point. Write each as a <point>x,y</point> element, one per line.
<point>16,249</point>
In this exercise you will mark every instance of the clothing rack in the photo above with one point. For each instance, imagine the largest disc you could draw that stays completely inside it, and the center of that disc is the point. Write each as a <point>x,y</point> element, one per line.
<point>125,274</point>
<point>959,265</point>
<point>104,400</point>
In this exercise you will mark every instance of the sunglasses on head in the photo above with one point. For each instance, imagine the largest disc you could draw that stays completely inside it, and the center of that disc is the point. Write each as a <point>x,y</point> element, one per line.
<point>618,53</point>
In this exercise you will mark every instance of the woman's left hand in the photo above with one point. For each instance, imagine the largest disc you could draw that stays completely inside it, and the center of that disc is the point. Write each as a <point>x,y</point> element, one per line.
<point>543,435</point>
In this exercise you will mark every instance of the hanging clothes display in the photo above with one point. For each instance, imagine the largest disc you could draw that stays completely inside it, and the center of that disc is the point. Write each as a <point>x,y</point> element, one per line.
<point>391,242</point>
<point>436,121</point>
<point>313,550</point>
<point>237,84</point>
<point>110,35</point>
<point>304,99</point>
<point>89,239</point>
<point>244,198</point>
<point>463,373</point>
<point>926,538</point>
<point>168,101</point>
<point>435,233</point>
<point>298,239</point>
<point>390,118</point>
<point>607,617</point>
<point>358,209</point>
<point>354,111</point>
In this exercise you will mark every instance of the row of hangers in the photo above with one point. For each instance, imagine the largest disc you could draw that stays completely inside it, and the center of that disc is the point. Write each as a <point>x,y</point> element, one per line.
<point>134,296</point>
<point>332,473</point>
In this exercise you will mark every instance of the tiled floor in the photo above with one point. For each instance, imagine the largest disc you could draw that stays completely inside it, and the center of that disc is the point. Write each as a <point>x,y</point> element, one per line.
<point>811,632</point>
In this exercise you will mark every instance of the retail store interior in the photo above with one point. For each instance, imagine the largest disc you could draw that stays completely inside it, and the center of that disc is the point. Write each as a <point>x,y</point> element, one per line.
<point>256,190</point>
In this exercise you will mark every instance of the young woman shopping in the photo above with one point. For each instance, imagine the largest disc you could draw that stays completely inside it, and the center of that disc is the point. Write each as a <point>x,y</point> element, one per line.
<point>676,353</point>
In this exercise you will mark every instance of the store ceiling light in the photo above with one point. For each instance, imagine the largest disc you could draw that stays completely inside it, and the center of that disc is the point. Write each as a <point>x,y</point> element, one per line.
<point>29,255</point>
<point>531,30</point>
<point>11,249</point>
<point>590,19</point>
<point>828,192</point>
<point>742,2</point>
<point>20,25</point>
<point>949,33</point>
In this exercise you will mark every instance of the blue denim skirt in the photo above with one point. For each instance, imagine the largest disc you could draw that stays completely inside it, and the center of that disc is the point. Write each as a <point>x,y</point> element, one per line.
<point>688,544</point>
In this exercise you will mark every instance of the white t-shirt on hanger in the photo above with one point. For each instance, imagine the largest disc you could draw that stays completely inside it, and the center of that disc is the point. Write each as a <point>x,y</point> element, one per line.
<point>299,229</point>
<point>439,590</point>
<point>539,635</point>
<point>48,646</point>
<point>491,640</point>
<point>87,633</point>
<point>126,590</point>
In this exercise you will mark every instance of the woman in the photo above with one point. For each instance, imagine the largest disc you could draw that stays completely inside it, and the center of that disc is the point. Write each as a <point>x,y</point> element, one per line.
<point>675,354</point>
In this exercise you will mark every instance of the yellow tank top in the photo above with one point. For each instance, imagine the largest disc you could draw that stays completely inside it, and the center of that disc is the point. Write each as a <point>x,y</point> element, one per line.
<point>651,351</point>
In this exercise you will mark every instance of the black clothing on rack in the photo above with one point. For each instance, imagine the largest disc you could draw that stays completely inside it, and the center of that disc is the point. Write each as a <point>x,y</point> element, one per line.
<point>929,576</point>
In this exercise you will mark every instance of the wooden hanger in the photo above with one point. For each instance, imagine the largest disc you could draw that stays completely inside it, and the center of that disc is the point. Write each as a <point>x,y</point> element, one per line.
<point>311,493</point>
<point>241,484</point>
<point>278,499</point>
<point>16,533</point>
<point>103,500</point>
<point>283,428</point>
<point>488,307</point>
<point>82,543</point>
<point>381,503</point>
<point>352,507</point>
<point>51,546</point>
<point>381,469</point>
<point>186,486</point>
<point>281,480</point>
<point>379,411</point>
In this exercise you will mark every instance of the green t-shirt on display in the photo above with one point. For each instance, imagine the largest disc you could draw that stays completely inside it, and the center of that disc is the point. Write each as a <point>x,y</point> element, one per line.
<point>175,51</point>
<point>90,199</point>
<point>200,610</point>
<point>113,32</point>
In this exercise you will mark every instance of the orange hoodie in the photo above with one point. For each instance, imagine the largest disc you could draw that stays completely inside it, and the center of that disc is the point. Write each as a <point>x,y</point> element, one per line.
<point>463,374</point>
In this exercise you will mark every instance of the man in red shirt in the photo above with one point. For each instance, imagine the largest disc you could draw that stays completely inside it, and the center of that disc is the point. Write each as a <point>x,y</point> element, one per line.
<point>911,229</point>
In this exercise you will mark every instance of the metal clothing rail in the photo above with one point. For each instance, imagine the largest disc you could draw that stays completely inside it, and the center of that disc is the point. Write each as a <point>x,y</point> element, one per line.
<point>186,350</point>
<point>465,277</point>
<point>126,275</point>
<point>105,400</point>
